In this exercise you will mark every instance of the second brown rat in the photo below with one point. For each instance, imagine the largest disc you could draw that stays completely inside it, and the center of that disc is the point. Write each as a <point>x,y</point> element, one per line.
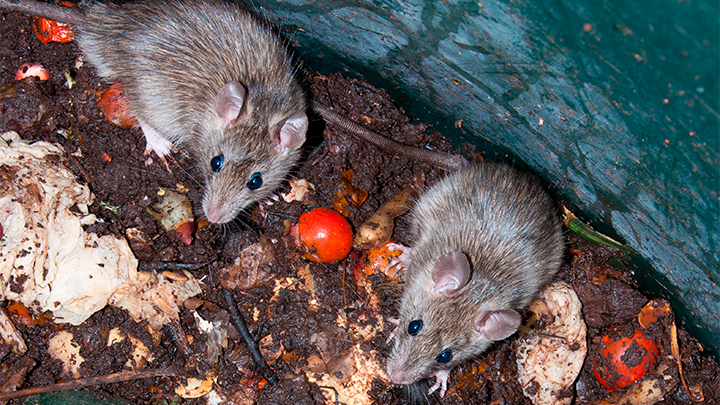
<point>486,240</point>
<point>207,76</point>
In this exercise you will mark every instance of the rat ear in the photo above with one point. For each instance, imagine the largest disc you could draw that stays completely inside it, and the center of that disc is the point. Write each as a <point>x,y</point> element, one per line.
<point>231,104</point>
<point>450,273</point>
<point>497,325</point>
<point>292,132</point>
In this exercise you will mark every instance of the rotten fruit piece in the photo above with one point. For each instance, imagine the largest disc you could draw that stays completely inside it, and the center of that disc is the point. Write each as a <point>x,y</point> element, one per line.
<point>52,31</point>
<point>174,212</point>
<point>621,361</point>
<point>355,195</point>
<point>114,105</point>
<point>381,260</point>
<point>35,69</point>
<point>652,311</point>
<point>325,234</point>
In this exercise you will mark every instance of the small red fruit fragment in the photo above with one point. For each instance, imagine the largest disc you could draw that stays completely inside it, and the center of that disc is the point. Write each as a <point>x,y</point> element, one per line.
<point>184,232</point>
<point>623,360</point>
<point>114,105</point>
<point>52,31</point>
<point>379,260</point>
<point>325,234</point>
<point>20,315</point>
<point>36,70</point>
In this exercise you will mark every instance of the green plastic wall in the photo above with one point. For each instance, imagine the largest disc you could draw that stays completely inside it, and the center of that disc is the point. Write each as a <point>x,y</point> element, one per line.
<point>615,103</point>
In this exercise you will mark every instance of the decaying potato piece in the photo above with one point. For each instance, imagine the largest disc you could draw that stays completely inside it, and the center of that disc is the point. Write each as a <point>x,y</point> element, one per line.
<point>377,229</point>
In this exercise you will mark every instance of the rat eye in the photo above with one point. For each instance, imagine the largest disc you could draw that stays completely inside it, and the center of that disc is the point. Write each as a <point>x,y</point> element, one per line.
<point>216,163</point>
<point>414,327</point>
<point>445,356</point>
<point>255,181</point>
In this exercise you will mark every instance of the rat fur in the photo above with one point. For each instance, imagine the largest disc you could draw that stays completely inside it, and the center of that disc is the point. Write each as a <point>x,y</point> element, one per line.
<point>486,240</point>
<point>208,76</point>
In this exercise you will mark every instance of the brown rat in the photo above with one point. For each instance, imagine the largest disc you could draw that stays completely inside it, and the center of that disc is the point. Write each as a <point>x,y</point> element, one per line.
<point>204,75</point>
<point>486,240</point>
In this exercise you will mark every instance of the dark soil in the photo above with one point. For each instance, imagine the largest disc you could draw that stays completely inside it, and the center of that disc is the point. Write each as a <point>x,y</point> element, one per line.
<point>112,163</point>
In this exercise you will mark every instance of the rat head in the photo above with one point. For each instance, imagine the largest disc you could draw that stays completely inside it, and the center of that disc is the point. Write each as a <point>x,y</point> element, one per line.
<point>251,152</point>
<point>442,324</point>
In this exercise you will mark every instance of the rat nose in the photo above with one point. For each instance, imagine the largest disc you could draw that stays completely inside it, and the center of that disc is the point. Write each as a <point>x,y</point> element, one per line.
<point>396,373</point>
<point>217,213</point>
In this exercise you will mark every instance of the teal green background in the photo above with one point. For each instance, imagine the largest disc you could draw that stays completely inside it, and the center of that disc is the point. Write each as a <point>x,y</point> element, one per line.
<point>615,103</point>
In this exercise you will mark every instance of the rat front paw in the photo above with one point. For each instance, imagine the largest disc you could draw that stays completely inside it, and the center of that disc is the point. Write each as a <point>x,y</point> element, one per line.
<point>401,262</point>
<point>441,378</point>
<point>156,142</point>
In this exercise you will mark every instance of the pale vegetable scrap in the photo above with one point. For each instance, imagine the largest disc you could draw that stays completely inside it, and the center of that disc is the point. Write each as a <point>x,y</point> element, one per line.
<point>549,363</point>
<point>49,262</point>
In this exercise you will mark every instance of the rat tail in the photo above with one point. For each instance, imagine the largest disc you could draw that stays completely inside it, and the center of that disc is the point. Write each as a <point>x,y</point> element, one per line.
<point>69,15</point>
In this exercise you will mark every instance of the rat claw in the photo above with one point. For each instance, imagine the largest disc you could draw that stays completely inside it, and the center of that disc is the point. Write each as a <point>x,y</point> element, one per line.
<point>163,158</point>
<point>156,142</point>
<point>401,262</point>
<point>441,377</point>
<point>395,322</point>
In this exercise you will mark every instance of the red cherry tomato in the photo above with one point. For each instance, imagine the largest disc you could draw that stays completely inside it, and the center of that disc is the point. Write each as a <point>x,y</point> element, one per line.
<point>623,360</point>
<point>325,234</point>
<point>114,105</point>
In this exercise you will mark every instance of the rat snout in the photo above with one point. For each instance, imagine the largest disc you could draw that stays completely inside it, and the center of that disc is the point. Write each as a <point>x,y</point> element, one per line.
<point>217,213</point>
<point>397,374</point>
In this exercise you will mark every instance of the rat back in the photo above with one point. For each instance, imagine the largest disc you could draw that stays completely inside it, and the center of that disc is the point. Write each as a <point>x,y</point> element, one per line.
<point>502,226</point>
<point>208,76</point>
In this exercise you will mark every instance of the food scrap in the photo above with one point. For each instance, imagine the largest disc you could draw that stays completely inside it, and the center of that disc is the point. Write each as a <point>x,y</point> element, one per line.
<point>54,264</point>
<point>114,105</point>
<point>62,347</point>
<point>587,232</point>
<point>377,229</point>
<point>381,260</point>
<point>621,360</point>
<point>549,360</point>
<point>298,190</point>
<point>10,335</point>
<point>174,212</point>
<point>325,234</point>
<point>36,70</point>
<point>52,31</point>
<point>349,195</point>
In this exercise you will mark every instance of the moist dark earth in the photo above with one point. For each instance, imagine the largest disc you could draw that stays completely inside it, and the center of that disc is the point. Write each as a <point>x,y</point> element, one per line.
<point>112,163</point>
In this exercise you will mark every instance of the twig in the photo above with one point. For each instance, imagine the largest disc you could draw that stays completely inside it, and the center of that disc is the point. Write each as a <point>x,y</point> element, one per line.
<point>85,175</point>
<point>175,331</point>
<point>240,325</point>
<point>145,266</point>
<point>88,382</point>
